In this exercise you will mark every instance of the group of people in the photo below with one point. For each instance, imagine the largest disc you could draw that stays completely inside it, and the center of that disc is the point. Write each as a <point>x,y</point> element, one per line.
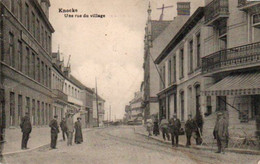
<point>192,127</point>
<point>67,127</point>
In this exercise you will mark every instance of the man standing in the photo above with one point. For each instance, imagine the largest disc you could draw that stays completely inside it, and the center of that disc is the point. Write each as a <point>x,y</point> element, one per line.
<point>70,128</point>
<point>26,127</point>
<point>175,125</point>
<point>221,132</point>
<point>189,126</point>
<point>54,132</point>
<point>63,127</point>
<point>164,128</point>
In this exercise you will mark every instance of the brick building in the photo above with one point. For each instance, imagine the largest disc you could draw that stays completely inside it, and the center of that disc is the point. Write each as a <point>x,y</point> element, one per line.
<point>26,60</point>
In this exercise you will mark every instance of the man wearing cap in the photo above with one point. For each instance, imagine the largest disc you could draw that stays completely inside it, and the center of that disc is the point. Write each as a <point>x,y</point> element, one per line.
<point>189,126</point>
<point>26,127</point>
<point>54,132</point>
<point>175,126</point>
<point>164,128</point>
<point>221,132</point>
<point>63,127</point>
<point>70,128</point>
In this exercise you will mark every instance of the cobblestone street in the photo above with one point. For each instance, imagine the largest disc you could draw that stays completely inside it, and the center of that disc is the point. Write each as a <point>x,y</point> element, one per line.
<point>118,145</point>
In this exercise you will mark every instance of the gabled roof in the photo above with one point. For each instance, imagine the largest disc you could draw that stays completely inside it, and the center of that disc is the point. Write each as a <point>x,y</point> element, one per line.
<point>165,37</point>
<point>184,30</point>
<point>77,82</point>
<point>158,26</point>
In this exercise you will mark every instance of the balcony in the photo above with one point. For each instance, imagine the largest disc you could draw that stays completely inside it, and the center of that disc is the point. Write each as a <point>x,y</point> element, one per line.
<point>216,11</point>
<point>245,56</point>
<point>249,6</point>
<point>59,95</point>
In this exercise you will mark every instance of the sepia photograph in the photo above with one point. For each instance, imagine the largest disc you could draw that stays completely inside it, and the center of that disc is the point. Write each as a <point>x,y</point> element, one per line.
<point>129,81</point>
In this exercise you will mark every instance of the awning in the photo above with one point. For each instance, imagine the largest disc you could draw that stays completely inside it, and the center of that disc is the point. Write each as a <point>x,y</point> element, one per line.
<point>237,84</point>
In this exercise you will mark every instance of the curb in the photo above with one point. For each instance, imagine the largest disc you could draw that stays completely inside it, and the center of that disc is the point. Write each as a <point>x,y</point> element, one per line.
<point>35,148</point>
<point>233,150</point>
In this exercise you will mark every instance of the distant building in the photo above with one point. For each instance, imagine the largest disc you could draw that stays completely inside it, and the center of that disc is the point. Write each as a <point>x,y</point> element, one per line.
<point>101,110</point>
<point>136,108</point>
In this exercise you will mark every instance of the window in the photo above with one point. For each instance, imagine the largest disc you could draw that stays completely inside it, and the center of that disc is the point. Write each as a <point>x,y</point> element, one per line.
<point>182,105</point>
<point>33,66</point>
<point>43,119</point>
<point>28,105</point>
<point>163,76</point>
<point>38,30</point>
<point>49,44</point>
<point>174,68</point>
<point>65,88</point>
<point>42,36</point>
<point>50,112</point>
<point>198,50</point>
<point>12,109</point>
<point>12,6</point>
<point>46,76</point>
<point>20,10</point>
<point>181,64</point>
<point>72,92</point>
<point>169,72</point>
<point>20,107</point>
<point>27,61</point>
<point>190,56</point>
<point>46,41</point>
<point>11,50</point>
<point>43,78</point>
<point>33,25</point>
<point>27,17</point>
<point>33,112</point>
<point>38,70</point>
<point>197,91</point>
<point>46,113</point>
<point>49,78</point>
<point>20,56</point>
<point>38,112</point>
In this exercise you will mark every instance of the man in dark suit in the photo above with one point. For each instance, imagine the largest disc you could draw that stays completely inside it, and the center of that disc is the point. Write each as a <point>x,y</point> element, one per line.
<point>64,128</point>
<point>189,126</point>
<point>175,126</point>
<point>26,127</point>
<point>54,132</point>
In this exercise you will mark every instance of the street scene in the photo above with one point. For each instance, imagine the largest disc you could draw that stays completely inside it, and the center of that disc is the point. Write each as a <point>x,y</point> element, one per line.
<point>115,81</point>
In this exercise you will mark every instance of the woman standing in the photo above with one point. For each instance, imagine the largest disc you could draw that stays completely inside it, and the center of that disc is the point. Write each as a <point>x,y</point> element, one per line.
<point>78,131</point>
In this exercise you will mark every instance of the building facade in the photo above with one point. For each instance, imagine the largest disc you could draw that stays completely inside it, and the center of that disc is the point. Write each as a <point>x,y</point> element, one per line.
<point>26,60</point>
<point>180,67</point>
<point>100,104</point>
<point>231,65</point>
<point>60,99</point>
<point>151,84</point>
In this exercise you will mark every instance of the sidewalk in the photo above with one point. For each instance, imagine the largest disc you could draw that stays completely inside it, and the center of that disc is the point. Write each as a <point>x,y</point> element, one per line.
<point>39,137</point>
<point>182,143</point>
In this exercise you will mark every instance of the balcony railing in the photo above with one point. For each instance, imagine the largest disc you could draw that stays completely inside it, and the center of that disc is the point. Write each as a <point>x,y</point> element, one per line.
<point>247,4</point>
<point>237,56</point>
<point>216,10</point>
<point>60,95</point>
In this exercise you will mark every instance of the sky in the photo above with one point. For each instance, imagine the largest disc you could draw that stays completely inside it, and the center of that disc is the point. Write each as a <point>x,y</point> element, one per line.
<point>109,49</point>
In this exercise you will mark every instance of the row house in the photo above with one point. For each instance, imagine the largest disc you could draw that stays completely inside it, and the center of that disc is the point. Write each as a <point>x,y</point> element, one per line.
<point>25,56</point>
<point>157,34</point>
<point>230,62</point>
<point>179,64</point>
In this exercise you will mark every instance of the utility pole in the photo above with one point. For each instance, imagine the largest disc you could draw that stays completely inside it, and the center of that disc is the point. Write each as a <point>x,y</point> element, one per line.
<point>110,113</point>
<point>97,104</point>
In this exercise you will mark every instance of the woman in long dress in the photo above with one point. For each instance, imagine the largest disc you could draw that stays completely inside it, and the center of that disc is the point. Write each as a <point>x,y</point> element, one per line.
<point>78,132</point>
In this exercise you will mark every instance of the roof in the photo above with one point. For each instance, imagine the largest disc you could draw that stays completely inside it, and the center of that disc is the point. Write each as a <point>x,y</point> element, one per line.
<point>77,82</point>
<point>158,27</point>
<point>165,37</point>
<point>99,98</point>
<point>184,30</point>
<point>236,84</point>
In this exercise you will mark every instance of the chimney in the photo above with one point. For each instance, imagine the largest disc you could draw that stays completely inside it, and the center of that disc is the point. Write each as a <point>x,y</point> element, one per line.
<point>183,8</point>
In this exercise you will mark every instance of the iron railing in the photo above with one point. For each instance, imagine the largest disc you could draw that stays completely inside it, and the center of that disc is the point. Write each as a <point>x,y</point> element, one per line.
<point>216,8</point>
<point>236,56</point>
